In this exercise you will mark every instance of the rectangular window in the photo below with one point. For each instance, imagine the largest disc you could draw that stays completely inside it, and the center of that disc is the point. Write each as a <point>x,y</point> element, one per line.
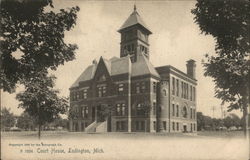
<point>191,127</point>
<point>85,94</point>
<point>139,110</point>
<point>154,108</point>
<point>194,93</point>
<point>194,127</point>
<point>154,125</point>
<point>85,112</point>
<point>118,109</point>
<point>191,113</point>
<point>164,125</point>
<point>143,87</point>
<point>173,85</point>
<point>137,125</point>
<point>101,91</point>
<point>173,125</point>
<point>137,87</point>
<point>177,110</point>
<point>154,87</point>
<point>77,95</point>
<point>173,111</point>
<point>122,125</point>
<point>177,87</point>
<point>177,126</point>
<point>123,110</point>
<point>104,91</point>
<point>187,92</point>
<point>142,125</point>
<point>191,93</point>
<point>182,90</point>
<point>194,113</point>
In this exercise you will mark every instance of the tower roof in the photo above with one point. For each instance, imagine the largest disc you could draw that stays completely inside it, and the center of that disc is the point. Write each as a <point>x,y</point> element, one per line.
<point>134,19</point>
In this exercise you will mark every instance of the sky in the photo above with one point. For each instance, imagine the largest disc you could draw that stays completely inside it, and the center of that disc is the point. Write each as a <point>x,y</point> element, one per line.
<point>175,39</point>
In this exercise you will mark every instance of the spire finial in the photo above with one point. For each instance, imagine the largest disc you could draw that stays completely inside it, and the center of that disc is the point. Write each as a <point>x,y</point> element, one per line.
<point>134,7</point>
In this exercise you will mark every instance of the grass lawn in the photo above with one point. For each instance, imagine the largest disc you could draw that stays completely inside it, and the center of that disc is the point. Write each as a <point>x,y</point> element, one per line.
<point>72,135</point>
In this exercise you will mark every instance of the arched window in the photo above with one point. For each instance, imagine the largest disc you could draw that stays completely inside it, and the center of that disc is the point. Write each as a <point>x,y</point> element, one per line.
<point>184,112</point>
<point>164,92</point>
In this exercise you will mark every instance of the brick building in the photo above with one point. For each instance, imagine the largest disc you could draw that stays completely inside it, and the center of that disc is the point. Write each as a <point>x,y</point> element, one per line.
<point>129,94</point>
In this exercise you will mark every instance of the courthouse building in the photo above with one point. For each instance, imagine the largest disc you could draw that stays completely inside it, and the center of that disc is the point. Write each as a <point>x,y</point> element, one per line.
<point>129,94</point>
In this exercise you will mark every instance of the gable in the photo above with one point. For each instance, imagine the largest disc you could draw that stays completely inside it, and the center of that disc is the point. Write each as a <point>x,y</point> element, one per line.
<point>102,71</point>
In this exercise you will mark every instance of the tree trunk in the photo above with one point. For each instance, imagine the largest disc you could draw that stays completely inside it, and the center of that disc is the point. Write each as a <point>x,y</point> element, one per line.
<point>39,121</point>
<point>246,114</point>
<point>39,131</point>
<point>245,121</point>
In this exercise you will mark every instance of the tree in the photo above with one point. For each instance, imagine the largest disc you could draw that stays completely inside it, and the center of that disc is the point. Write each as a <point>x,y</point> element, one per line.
<point>41,101</point>
<point>200,121</point>
<point>31,39</point>
<point>235,120</point>
<point>228,22</point>
<point>26,122</point>
<point>7,118</point>
<point>228,122</point>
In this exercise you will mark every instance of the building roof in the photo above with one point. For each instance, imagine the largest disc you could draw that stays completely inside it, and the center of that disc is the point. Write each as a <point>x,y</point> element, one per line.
<point>116,66</point>
<point>134,19</point>
<point>143,66</point>
<point>86,75</point>
<point>169,68</point>
<point>120,66</point>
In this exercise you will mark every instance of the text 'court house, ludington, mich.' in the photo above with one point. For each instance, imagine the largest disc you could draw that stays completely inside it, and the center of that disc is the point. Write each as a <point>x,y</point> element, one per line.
<point>129,94</point>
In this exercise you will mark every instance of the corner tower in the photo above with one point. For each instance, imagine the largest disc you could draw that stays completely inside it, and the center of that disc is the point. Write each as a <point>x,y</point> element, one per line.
<point>134,37</point>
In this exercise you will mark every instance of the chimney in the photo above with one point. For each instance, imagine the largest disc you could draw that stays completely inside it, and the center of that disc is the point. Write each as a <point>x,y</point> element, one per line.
<point>191,68</point>
<point>94,62</point>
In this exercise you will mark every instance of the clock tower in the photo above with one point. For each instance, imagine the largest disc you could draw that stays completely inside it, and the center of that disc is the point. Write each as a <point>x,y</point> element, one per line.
<point>134,37</point>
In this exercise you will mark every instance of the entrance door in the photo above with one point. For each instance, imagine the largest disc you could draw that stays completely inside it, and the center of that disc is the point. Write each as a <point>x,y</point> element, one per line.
<point>185,128</point>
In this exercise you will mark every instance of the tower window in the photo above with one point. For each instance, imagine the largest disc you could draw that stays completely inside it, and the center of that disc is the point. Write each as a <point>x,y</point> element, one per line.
<point>154,108</point>
<point>154,87</point>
